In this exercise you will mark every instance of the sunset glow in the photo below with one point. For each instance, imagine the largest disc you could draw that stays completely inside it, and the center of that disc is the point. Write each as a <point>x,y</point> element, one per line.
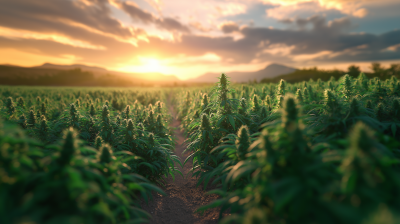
<point>189,38</point>
<point>146,65</point>
<point>151,65</point>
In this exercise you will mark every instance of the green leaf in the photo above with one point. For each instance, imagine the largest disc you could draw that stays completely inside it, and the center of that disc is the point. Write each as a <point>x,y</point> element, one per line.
<point>135,186</point>
<point>153,188</point>
<point>394,129</point>
<point>231,121</point>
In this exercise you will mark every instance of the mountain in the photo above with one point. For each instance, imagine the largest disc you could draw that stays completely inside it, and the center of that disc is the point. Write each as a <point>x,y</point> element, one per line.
<point>271,71</point>
<point>74,66</point>
<point>48,68</point>
<point>98,71</point>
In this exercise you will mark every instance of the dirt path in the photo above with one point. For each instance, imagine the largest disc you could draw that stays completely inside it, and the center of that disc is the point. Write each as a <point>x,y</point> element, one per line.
<point>183,198</point>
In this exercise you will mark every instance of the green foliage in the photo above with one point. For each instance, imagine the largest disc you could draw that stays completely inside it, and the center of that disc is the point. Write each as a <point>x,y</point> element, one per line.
<point>129,133</point>
<point>43,110</point>
<point>281,87</point>
<point>98,142</point>
<point>21,102</point>
<point>92,111</point>
<point>243,142</point>
<point>256,106</point>
<point>31,119</point>
<point>43,129</point>
<point>74,113</point>
<point>94,186</point>
<point>10,106</point>
<point>205,107</point>
<point>286,163</point>
<point>159,106</point>
<point>93,190</point>
<point>243,107</point>
<point>127,112</point>
<point>280,153</point>
<point>106,131</point>
<point>299,96</point>
<point>22,121</point>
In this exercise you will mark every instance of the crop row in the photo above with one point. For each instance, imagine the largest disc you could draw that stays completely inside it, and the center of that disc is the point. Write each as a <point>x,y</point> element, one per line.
<point>309,152</point>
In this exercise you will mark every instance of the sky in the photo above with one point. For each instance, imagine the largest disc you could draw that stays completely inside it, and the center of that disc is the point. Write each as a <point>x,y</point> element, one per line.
<point>188,38</point>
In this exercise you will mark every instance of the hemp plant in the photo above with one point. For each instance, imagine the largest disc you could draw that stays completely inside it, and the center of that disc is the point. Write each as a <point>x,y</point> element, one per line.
<point>43,109</point>
<point>201,143</point>
<point>22,121</point>
<point>106,129</point>
<point>74,113</point>
<point>21,102</point>
<point>233,149</point>
<point>10,107</point>
<point>282,173</point>
<point>43,130</point>
<point>225,116</point>
<point>31,120</point>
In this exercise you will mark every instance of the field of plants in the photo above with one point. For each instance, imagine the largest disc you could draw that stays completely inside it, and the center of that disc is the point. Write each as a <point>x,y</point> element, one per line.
<point>307,152</point>
<point>82,156</point>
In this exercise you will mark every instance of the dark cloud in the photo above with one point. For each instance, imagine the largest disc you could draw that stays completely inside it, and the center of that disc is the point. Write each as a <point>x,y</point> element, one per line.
<point>229,27</point>
<point>375,48</point>
<point>27,14</point>
<point>172,25</point>
<point>319,24</point>
<point>322,36</point>
<point>138,14</point>
<point>286,21</point>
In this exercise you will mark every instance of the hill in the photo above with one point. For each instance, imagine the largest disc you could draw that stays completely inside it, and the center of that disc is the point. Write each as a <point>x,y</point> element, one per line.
<point>74,66</point>
<point>271,71</point>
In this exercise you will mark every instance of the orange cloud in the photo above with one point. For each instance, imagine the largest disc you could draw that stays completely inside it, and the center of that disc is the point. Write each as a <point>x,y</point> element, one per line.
<point>24,34</point>
<point>361,13</point>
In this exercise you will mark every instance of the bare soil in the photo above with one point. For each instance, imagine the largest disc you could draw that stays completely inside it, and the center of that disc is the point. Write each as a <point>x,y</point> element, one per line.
<point>183,197</point>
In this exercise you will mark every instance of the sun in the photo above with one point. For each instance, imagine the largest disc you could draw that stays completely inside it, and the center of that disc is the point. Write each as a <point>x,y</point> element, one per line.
<point>148,65</point>
<point>151,65</point>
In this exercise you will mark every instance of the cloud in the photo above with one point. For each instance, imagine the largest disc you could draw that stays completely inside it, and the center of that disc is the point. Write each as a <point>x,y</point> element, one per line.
<point>344,6</point>
<point>319,24</point>
<point>229,27</point>
<point>78,20</point>
<point>23,34</point>
<point>256,45</point>
<point>89,32</point>
<point>374,48</point>
<point>198,26</point>
<point>138,14</point>
<point>322,36</point>
<point>311,43</point>
<point>172,25</point>
<point>361,13</point>
<point>299,9</point>
<point>231,8</point>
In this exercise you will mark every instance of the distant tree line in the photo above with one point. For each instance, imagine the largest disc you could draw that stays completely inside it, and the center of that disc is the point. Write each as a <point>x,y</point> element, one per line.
<point>72,77</point>
<point>63,78</point>
<point>314,73</point>
<point>13,76</point>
